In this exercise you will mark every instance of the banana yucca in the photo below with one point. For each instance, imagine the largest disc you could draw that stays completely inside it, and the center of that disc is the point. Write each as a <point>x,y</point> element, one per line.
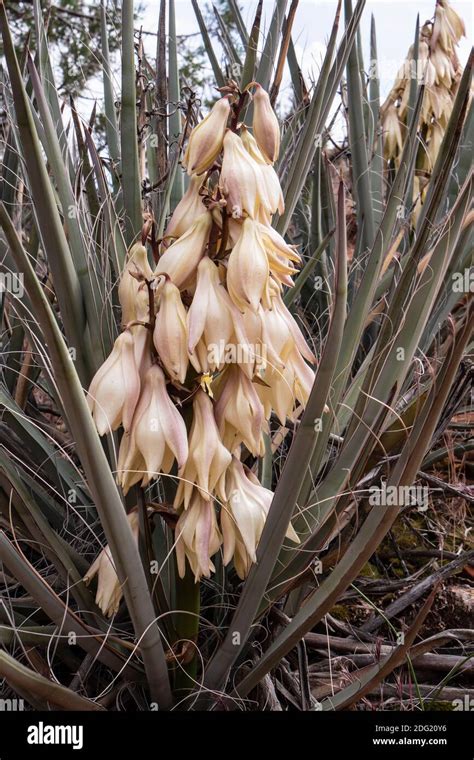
<point>221,257</point>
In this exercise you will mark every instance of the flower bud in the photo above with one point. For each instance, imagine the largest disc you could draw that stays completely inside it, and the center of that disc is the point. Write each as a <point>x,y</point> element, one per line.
<point>197,538</point>
<point>109,591</point>
<point>265,125</point>
<point>205,140</point>
<point>170,335</point>
<point>180,260</point>
<point>114,390</point>
<point>273,194</point>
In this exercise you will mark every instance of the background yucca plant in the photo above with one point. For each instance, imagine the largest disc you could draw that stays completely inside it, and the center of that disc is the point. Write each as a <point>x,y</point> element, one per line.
<point>382,310</point>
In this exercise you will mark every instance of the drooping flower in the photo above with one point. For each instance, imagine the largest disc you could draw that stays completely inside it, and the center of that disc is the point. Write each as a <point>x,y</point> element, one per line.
<point>187,211</point>
<point>214,323</point>
<point>243,517</point>
<point>239,412</point>
<point>180,260</point>
<point>248,269</point>
<point>276,243</point>
<point>205,140</point>
<point>283,389</point>
<point>131,467</point>
<point>197,537</point>
<point>240,179</point>
<point>271,196</point>
<point>448,27</point>
<point>393,140</point>
<point>258,337</point>
<point>208,458</point>
<point>115,388</point>
<point>298,337</point>
<point>133,294</point>
<point>265,125</point>
<point>170,335</point>
<point>109,591</point>
<point>158,434</point>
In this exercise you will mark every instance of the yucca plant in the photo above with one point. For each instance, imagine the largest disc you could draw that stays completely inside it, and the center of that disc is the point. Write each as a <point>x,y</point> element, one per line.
<point>130,279</point>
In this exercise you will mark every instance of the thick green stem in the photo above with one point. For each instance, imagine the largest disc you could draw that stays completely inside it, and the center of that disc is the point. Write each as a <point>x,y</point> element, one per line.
<point>186,623</point>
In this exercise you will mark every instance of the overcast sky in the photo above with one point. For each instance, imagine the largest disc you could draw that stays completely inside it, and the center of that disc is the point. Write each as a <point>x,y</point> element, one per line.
<point>395,24</point>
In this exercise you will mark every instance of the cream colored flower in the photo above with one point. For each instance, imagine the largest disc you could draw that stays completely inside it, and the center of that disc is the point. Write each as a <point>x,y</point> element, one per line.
<point>448,27</point>
<point>109,591</point>
<point>205,141</point>
<point>248,269</point>
<point>276,243</point>
<point>283,389</point>
<point>158,434</point>
<point>114,390</point>
<point>188,210</point>
<point>208,458</point>
<point>214,323</point>
<point>170,335</point>
<point>131,467</point>
<point>197,538</point>
<point>265,354</point>
<point>271,196</point>
<point>239,412</point>
<point>243,517</point>
<point>292,325</point>
<point>142,345</point>
<point>265,125</point>
<point>180,260</point>
<point>133,294</point>
<point>240,180</point>
<point>392,133</point>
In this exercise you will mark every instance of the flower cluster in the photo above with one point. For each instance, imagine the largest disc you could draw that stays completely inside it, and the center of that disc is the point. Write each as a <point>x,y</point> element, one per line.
<point>439,69</point>
<point>208,338</point>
